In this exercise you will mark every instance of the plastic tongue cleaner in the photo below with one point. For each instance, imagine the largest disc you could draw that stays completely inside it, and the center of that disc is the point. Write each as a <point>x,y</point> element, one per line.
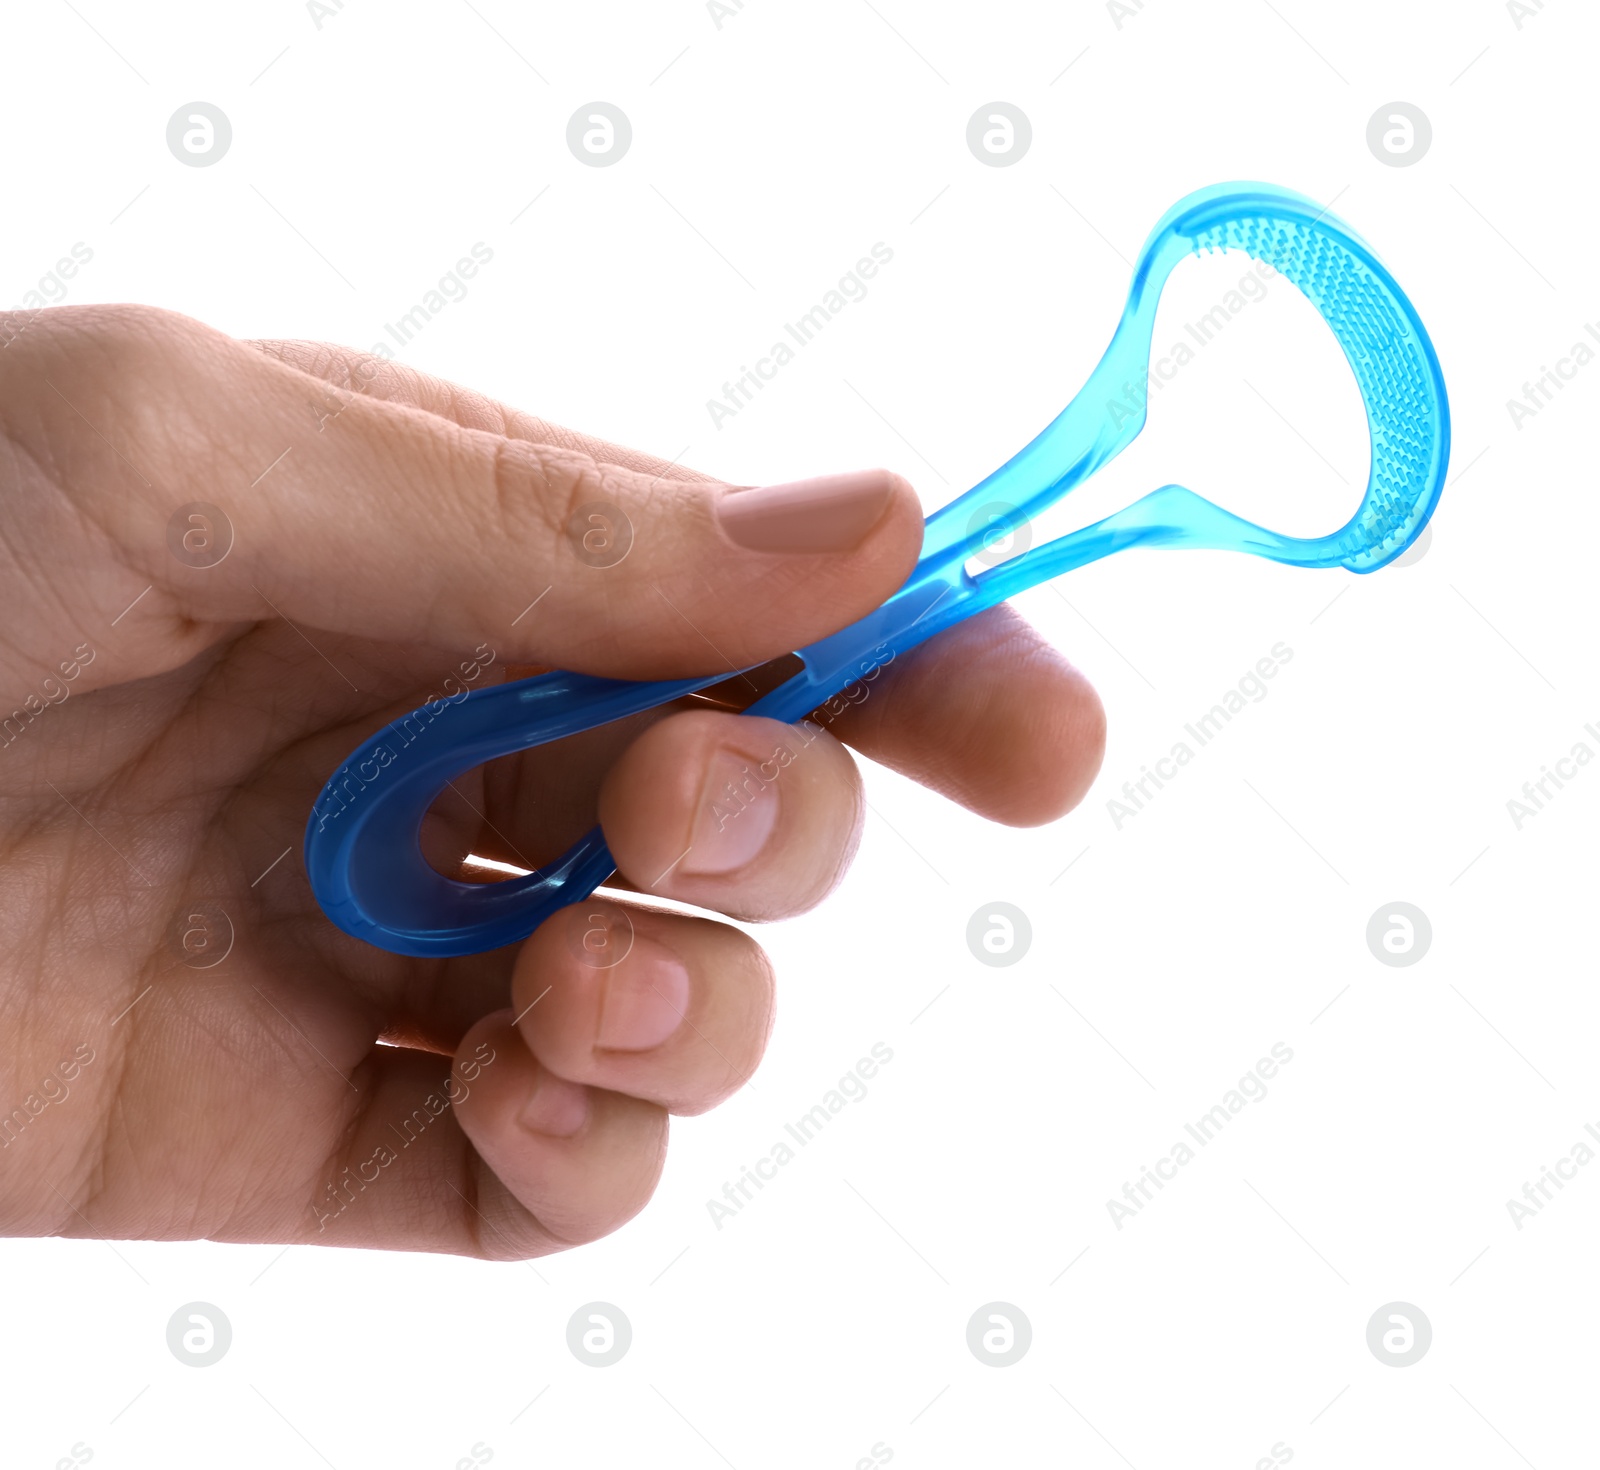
<point>362,850</point>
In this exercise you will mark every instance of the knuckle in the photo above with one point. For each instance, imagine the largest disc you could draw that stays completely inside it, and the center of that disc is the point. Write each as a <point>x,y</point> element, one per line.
<point>539,490</point>
<point>129,337</point>
<point>368,373</point>
<point>537,487</point>
<point>122,338</point>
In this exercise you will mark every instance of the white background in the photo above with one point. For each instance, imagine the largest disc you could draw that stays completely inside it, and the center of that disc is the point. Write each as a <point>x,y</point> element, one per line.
<point>830,1315</point>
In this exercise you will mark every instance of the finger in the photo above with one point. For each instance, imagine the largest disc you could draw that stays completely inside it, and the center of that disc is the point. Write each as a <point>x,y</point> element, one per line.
<point>488,1154</point>
<point>747,816</point>
<point>660,1006</point>
<point>362,516</point>
<point>396,382</point>
<point>987,714</point>
<point>560,1163</point>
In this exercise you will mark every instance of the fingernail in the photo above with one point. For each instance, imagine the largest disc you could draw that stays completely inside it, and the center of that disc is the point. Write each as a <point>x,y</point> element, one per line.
<point>737,812</point>
<point>557,1108</point>
<point>645,999</point>
<point>829,513</point>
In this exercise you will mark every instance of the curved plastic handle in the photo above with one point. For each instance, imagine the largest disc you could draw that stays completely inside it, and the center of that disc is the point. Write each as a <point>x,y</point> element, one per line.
<point>362,850</point>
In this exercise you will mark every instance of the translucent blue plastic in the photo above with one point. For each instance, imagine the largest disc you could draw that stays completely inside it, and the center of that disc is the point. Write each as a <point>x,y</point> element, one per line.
<point>362,849</point>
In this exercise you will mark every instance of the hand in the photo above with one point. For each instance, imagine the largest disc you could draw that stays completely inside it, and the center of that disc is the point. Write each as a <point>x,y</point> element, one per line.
<point>193,1050</point>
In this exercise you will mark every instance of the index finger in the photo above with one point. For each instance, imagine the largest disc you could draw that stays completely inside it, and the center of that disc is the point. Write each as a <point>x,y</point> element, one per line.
<point>372,518</point>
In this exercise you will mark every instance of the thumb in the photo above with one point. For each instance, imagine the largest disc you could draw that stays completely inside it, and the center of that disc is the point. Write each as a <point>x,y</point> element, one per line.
<point>362,516</point>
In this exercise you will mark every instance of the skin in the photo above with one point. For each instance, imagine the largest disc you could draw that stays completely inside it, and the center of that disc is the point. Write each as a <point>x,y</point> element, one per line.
<point>385,527</point>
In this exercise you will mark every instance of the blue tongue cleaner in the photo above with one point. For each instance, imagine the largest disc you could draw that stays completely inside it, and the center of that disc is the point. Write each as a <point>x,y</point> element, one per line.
<point>1392,361</point>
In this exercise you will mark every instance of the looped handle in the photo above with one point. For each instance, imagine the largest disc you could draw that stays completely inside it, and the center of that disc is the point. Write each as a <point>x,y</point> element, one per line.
<point>362,848</point>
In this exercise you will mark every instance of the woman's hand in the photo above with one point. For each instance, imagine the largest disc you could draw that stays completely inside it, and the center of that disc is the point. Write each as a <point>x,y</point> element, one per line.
<point>192,1049</point>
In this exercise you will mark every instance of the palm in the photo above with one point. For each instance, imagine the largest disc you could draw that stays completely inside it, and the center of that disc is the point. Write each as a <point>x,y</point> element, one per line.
<point>181,936</point>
